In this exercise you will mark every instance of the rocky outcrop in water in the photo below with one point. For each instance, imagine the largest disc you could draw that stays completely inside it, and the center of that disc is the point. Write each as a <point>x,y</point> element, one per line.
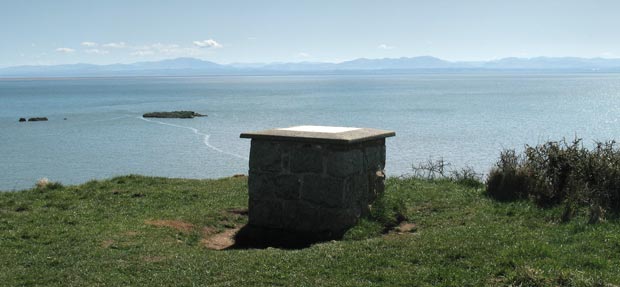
<point>22,119</point>
<point>175,114</point>
<point>37,119</point>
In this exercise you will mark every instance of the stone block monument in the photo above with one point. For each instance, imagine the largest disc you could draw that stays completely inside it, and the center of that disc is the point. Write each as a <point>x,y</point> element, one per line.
<point>315,180</point>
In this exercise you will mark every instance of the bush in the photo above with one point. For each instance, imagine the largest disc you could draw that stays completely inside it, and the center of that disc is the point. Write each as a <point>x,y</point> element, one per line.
<point>439,169</point>
<point>431,169</point>
<point>561,173</point>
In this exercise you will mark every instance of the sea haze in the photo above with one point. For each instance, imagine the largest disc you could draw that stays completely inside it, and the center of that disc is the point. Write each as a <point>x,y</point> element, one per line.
<point>464,118</point>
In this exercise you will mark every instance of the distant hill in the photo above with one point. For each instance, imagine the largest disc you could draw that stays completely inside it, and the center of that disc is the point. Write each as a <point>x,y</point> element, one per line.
<point>424,62</point>
<point>179,66</point>
<point>192,66</point>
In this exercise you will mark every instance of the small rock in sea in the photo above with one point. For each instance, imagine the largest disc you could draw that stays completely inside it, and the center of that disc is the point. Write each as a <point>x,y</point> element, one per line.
<point>39,119</point>
<point>22,119</point>
<point>64,119</point>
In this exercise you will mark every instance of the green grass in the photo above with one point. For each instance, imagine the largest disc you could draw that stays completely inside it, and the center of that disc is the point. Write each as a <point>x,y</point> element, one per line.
<point>95,235</point>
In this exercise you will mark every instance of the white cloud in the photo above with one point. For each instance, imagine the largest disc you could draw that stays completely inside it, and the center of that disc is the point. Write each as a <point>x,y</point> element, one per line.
<point>117,45</point>
<point>65,50</point>
<point>142,53</point>
<point>89,44</point>
<point>96,51</point>
<point>157,48</point>
<point>210,43</point>
<point>165,48</point>
<point>303,55</point>
<point>385,47</point>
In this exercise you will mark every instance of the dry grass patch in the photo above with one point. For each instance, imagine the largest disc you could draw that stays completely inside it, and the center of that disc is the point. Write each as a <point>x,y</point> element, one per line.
<point>405,227</point>
<point>131,233</point>
<point>107,243</point>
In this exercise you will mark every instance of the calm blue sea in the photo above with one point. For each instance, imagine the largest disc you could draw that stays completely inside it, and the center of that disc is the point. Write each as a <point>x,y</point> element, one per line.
<point>464,118</point>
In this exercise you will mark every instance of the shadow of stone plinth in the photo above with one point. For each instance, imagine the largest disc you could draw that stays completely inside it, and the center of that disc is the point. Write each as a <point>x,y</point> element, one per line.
<point>252,237</point>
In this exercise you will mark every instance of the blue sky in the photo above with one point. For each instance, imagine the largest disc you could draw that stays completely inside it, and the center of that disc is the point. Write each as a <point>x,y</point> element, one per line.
<point>103,32</point>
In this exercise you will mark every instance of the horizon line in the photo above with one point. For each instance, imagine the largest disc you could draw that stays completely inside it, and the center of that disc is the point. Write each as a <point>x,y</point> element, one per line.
<point>317,62</point>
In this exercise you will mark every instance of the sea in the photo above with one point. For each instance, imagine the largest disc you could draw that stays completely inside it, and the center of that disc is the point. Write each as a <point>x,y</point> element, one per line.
<point>96,130</point>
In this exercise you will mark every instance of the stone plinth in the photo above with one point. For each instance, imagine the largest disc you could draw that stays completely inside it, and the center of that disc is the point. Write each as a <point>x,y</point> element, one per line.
<point>314,179</point>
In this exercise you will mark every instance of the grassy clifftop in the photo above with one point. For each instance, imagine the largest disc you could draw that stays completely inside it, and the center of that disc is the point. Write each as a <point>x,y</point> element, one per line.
<point>144,231</point>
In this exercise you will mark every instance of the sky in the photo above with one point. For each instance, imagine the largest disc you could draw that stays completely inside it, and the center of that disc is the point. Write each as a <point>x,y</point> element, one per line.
<point>104,32</point>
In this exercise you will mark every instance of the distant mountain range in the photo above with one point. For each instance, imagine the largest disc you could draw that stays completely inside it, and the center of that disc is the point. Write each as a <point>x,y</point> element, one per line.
<point>195,67</point>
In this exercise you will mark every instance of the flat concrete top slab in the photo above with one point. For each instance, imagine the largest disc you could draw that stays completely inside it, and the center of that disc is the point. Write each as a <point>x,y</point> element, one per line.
<point>324,134</point>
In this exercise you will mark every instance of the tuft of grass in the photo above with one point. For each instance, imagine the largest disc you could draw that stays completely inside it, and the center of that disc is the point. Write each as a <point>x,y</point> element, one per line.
<point>386,213</point>
<point>42,183</point>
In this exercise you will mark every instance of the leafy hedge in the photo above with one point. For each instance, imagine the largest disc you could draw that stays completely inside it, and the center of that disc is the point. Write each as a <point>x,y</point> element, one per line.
<point>561,172</point>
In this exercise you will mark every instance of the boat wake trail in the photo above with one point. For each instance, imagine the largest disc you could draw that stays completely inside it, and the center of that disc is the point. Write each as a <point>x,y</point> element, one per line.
<point>196,131</point>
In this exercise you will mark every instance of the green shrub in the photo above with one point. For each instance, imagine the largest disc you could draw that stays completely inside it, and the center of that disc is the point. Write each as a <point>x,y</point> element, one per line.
<point>508,180</point>
<point>507,185</point>
<point>554,170</point>
<point>559,172</point>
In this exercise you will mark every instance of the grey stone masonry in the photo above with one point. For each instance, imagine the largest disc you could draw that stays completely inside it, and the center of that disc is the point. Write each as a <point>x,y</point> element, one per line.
<point>314,179</point>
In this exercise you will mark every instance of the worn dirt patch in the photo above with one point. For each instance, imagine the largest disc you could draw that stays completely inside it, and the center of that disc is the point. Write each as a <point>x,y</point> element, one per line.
<point>405,227</point>
<point>218,241</point>
<point>208,231</point>
<point>238,211</point>
<point>179,225</point>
